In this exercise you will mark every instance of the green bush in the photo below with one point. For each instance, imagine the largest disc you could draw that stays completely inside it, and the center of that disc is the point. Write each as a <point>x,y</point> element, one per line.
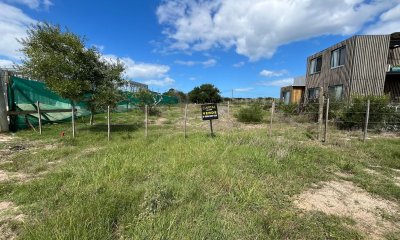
<point>288,109</point>
<point>381,114</point>
<point>250,114</point>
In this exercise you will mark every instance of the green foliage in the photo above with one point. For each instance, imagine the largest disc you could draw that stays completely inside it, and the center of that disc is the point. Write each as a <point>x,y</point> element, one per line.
<point>176,93</point>
<point>146,97</point>
<point>206,93</point>
<point>288,109</point>
<point>61,60</point>
<point>251,114</point>
<point>353,117</point>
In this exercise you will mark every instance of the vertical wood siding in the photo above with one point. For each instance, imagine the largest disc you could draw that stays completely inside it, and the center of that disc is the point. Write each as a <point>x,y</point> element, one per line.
<point>332,76</point>
<point>370,65</point>
<point>364,70</point>
<point>394,56</point>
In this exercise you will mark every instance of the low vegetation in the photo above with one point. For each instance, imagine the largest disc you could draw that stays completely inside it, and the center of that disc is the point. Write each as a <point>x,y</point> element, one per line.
<point>251,114</point>
<point>241,184</point>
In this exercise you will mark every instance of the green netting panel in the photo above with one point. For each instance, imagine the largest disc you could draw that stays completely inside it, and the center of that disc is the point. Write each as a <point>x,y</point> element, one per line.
<point>23,95</point>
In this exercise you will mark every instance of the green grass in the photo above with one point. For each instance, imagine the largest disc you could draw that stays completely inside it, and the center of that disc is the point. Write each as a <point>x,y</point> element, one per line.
<point>237,185</point>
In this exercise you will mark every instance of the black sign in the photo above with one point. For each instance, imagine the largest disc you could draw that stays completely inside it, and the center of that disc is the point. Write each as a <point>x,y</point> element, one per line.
<point>209,111</point>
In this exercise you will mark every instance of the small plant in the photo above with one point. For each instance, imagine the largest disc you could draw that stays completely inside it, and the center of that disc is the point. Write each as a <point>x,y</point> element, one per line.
<point>250,114</point>
<point>288,109</point>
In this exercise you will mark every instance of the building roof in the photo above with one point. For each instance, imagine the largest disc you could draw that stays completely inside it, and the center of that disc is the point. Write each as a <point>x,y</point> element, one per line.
<point>299,81</point>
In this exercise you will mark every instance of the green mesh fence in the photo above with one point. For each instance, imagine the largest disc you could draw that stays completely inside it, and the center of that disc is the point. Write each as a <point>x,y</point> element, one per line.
<point>23,95</point>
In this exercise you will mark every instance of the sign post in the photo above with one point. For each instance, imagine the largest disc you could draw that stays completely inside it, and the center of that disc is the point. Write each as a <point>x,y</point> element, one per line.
<point>209,112</point>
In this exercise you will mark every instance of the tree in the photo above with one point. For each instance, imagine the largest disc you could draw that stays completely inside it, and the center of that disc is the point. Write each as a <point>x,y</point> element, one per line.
<point>148,98</point>
<point>176,93</point>
<point>105,89</point>
<point>57,58</point>
<point>206,93</point>
<point>61,60</point>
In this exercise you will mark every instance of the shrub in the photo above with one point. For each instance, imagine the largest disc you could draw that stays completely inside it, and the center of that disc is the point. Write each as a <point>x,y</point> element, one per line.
<point>353,117</point>
<point>250,114</point>
<point>288,109</point>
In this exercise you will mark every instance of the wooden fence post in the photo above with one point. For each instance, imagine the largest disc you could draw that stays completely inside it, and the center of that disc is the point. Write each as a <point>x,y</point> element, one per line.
<point>272,117</point>
<point>320,113</point>
<point>108,123</point>
<point>366,122</point>
<point>229,110</point>
<point>145,120</point>
<point>73,120</point>
<point>3,105</point>
<point>326,120</point>
<point>186,106</point>
<point>39,117</point>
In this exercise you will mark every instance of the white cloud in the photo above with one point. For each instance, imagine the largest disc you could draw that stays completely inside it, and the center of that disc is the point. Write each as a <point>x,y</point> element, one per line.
<point>389,22</point>
<point>256,28</point>
<point>13,25</point>
<point>192,79</point>
<point>269,73</point>
<point>277,83</point>
<point>140,70</point>
<point>239,64</point>
<point>33,4</point>
<point>167,81</point>
<point>207,63</point>
<point>242,89</point>
<point>4,63</point>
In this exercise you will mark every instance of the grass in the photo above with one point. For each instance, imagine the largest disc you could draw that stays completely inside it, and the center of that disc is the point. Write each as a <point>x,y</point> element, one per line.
<point>237,185</point>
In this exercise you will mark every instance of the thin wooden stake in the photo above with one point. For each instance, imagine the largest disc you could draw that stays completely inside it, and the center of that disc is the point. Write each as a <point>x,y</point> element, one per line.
<point>320,113</point>
<point>228,110</point>
<point>145,120</point>
<point>366,121</point>
<point>39,117</point>
<point>326,120</point>
<point>108,123</point>
<point>186,106</point>
<point>73,121</point>
<point>272,117</point>
<point>211,128</point>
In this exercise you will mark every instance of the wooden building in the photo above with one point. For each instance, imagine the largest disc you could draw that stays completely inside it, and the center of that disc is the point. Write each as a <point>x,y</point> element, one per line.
<point>360,65</point>
<point>294,94</point>
<point>132,86</point>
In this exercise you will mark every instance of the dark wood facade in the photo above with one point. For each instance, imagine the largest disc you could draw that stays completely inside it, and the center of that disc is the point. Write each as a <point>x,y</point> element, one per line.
<point>365,69</point>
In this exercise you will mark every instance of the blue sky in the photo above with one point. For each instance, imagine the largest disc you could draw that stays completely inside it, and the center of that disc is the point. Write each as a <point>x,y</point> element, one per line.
<point>251,46</point>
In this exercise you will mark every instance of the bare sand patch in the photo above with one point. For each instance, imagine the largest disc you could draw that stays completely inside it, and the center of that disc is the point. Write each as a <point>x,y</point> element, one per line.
<point>343,198</point>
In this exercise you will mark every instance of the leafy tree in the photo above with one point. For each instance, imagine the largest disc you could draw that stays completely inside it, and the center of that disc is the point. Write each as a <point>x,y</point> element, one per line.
<point>206,93</point>
<point>61,60</point>
<point>176,93</point>
<point>148,98</point>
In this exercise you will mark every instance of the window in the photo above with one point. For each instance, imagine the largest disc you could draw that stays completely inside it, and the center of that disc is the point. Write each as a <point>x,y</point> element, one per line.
<point>316,65</point>
<point>286,97</point>
<point>335,92</point>
<point>313,93</point>
<point>338,57</point>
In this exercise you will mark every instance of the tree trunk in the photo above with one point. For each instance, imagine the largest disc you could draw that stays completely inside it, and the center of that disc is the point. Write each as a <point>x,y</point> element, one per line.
<point>91,118</point>
<point>3,108</point>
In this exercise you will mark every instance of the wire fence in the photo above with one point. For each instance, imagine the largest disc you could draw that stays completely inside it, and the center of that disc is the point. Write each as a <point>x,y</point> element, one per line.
<point>319,121</point>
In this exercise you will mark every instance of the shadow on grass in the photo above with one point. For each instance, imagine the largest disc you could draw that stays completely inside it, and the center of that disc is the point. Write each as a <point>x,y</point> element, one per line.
<point>114,127</point>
